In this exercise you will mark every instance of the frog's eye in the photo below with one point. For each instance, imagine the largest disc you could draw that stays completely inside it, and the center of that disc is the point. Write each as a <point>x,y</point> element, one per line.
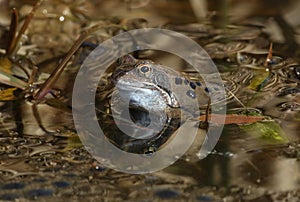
<point>144,70</point>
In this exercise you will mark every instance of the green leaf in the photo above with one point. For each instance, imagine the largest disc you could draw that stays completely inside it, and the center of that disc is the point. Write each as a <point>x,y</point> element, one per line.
<point>259,79</point>
<point>73,142</point>
<point>269,131</point>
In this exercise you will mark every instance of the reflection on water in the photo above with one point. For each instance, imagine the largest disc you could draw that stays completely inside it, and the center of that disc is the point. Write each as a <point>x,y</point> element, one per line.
<point>41,156</point>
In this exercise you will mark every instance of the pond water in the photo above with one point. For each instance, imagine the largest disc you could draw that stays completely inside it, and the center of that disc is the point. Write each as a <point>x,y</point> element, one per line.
<point>43,159</point>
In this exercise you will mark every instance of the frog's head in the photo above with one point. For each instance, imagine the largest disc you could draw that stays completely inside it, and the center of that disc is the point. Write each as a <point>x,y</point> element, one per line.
<point>144,83</point>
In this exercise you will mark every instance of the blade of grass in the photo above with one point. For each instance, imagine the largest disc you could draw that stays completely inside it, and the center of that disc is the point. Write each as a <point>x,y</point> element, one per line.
<point>12,31</point>
<point>14,45</point>
<point>10,80</point>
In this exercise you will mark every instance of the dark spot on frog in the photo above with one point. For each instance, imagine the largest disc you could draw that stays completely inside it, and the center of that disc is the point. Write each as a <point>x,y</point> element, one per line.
<point>178,81</point>
<point>198,83</point>
<point>193,85</point>
<point>191,94</point>
<point>206,89</point>
<point>186,82</point>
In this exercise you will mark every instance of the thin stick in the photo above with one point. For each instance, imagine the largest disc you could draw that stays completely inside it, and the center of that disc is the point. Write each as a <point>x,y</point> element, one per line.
<point>207,111</point>
<point>13,46</point>
<point>38,118</point>
<point>12,31</point>
<point>46,87</point>
<point>269,57</point>
<point>33,75</point>
<point>237,100</point>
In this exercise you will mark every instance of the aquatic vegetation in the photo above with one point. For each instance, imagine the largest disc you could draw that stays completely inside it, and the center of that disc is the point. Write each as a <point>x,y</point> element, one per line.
<point>268,131</point>
<point>37,90</point>
<point>10,58</point>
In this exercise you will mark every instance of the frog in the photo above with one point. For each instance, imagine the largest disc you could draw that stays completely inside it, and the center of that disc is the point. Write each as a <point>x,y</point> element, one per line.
<point>147,89</point>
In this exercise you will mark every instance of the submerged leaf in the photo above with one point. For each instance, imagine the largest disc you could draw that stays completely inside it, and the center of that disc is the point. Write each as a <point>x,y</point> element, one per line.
<point>5,65</point>
<point>73,142</point>
<point>7,94</point>
<point>269,131</point>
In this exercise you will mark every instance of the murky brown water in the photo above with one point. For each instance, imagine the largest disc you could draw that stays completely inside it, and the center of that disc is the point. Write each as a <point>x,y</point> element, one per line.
<point>42,158</point>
